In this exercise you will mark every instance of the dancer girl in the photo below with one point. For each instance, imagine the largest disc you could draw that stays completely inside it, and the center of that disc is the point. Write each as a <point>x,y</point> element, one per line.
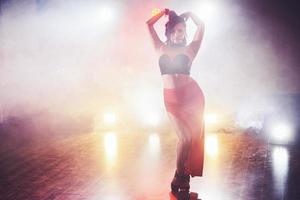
<point>183,98</point>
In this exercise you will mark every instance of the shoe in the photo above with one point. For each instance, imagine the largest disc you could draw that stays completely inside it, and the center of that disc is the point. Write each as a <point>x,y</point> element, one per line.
<point>180,182</point>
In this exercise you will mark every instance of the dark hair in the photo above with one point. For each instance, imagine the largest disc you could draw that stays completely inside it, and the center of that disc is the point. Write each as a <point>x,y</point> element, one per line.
<point>174,19</point>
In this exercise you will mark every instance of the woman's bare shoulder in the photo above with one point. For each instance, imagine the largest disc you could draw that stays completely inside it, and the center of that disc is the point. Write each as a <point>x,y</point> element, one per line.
<point>163,49</point>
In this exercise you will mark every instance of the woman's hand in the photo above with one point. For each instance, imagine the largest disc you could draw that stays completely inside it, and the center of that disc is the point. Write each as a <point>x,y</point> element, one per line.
<point>194,17</point>
<point>157,16</point>
<point>155,39</point>
<point>186,15</point>
<point>166,11</point>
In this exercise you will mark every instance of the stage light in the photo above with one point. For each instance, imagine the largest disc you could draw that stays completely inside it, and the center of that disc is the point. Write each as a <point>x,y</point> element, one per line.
<point>211,118</point>
<point>109,118</point>
<point>281,132</point>
<point>151,119</point>
<point>207,10</point>
<point>211,145</point>
<point>105,119</point>
<point>106,14</point>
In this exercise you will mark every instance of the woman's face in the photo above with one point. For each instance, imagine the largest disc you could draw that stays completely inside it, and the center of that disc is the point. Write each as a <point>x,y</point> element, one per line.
<point>178,34</point>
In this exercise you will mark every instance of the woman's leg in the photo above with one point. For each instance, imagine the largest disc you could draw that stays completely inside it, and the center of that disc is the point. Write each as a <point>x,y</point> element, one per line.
<point>184,142</point>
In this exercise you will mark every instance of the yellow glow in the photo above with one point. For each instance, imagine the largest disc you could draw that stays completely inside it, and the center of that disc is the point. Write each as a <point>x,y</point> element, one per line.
<point>155,11</point>
<point>211,145</point>
<point>111,147</point>
<point>109,118</point>
<point>211,118</point>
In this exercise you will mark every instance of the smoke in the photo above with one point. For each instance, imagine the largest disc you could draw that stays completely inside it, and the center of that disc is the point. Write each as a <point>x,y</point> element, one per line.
<point>68,58</point>
<point>244,61</point>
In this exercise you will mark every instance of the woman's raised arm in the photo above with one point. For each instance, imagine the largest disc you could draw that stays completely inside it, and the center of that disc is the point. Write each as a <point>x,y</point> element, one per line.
<point>150,23</point>
<point>195,44</point>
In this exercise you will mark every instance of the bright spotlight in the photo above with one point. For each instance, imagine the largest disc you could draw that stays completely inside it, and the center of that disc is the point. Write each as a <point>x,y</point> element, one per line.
<point>106,13</point>
<point>151,119</point>
<point>282,132</point>
<point>206,10</point>
<point>109,118</point>
<point>211,118</point>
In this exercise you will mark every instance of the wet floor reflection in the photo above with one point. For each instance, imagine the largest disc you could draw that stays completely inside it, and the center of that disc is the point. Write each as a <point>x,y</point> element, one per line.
<point>280,166</point>
<point>211,145</point>
<point>154,144</point>
<point>141,165</point>
<point>111,147</point>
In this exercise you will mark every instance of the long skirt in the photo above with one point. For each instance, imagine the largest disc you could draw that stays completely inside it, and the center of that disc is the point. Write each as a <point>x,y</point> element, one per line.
<point>186,103</point>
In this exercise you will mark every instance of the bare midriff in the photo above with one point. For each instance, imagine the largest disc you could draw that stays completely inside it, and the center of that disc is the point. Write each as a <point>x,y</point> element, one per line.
<point>175,80</point>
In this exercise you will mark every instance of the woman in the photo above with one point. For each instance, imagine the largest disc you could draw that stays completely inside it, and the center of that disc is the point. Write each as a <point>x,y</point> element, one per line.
<point>183,98</point>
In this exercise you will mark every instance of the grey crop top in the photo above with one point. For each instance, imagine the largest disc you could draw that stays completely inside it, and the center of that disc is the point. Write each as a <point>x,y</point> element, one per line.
<point>179,65</point>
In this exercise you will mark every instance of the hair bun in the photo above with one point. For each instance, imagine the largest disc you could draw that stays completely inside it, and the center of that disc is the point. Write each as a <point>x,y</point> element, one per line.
<point>172,14</point>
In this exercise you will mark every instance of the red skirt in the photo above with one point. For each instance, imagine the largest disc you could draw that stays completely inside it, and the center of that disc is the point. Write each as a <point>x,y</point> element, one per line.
<point>186,103</point>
